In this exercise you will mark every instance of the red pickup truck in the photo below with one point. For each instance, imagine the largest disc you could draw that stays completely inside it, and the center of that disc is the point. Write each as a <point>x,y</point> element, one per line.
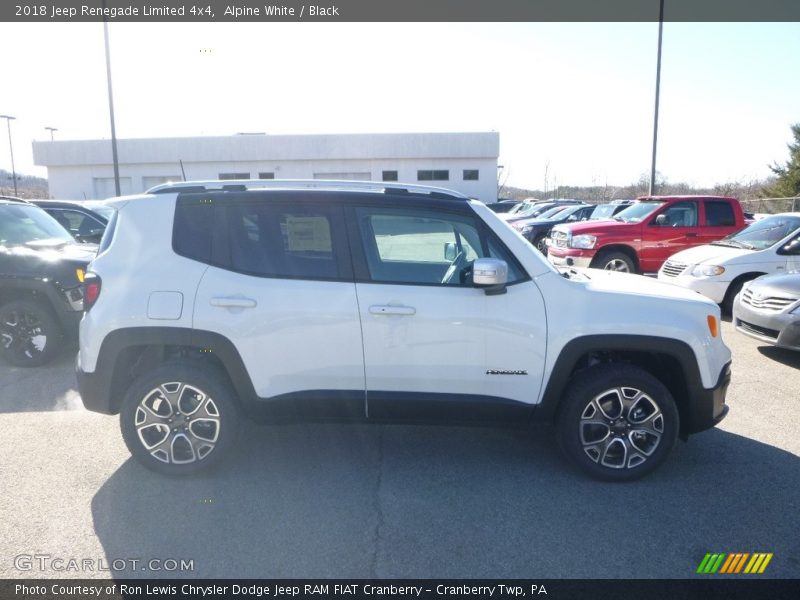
<point>640,238</point>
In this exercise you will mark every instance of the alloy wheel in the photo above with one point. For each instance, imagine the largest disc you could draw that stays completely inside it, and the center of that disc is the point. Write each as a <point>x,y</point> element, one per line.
<point>177,423</point>
<point>621,427</point>
<point>23,334</point>
<point>617,264</point>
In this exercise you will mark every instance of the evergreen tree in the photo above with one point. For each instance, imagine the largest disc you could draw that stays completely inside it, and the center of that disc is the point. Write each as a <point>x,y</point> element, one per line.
<point>788,183</point>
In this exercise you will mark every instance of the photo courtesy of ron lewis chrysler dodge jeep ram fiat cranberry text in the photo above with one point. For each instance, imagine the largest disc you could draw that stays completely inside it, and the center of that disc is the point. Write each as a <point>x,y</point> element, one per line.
<point>369,302</point>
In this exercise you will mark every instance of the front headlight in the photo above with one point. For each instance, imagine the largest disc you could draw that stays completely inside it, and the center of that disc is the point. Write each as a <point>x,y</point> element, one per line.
<point>584,241</point>
<point>707,270</point>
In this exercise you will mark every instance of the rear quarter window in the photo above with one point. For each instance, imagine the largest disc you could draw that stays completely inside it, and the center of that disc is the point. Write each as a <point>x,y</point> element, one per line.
<point>192,230</point>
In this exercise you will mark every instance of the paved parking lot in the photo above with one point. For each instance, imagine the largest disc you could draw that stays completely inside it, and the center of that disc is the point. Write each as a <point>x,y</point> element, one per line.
<point>399,501</point>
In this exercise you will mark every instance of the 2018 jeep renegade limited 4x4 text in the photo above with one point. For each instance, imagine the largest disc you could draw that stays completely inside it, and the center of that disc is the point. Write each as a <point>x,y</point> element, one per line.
<point>363,302</point>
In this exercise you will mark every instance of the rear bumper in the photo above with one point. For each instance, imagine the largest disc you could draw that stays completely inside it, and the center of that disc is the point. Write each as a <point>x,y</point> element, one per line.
<point>707,407</point>
<point>94,389</point>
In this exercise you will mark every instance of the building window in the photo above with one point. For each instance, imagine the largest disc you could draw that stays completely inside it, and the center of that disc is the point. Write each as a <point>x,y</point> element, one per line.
<point>470,174</point>
<point>269,175</point>
<point>227,176</point>
<point>430,175</point>
<point>390,175</point>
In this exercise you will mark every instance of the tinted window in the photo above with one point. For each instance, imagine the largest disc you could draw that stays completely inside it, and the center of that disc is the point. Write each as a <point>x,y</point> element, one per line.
<point>191,232</point>
<point>429,175</point>
<point>389,175</point>
<point>419,246</point>
<point>719,214</point>
<point>278,240</point>
<point>77,223</point>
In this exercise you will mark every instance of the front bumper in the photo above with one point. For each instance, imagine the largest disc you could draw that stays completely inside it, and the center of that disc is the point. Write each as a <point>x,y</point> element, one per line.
<point>780,329</point>
<point>710,288</point>
<point>708,406</point>
<point>569,257</point>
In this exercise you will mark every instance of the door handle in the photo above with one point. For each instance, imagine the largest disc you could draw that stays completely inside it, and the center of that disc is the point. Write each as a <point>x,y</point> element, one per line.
<point>388,309</point>
<point>234,302</point>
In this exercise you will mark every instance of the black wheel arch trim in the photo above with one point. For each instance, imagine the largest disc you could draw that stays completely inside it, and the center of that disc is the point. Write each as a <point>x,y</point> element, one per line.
<point>97,389</point>
<point>701,408</point>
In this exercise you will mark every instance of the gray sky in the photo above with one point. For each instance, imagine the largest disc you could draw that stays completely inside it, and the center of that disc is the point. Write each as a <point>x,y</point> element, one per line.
<point>575,97</point>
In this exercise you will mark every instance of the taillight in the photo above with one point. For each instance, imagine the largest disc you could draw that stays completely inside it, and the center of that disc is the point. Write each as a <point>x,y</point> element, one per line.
<point>91,290</point>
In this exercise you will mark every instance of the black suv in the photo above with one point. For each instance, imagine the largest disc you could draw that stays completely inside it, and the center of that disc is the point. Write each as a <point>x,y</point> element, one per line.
<point>41,272</point>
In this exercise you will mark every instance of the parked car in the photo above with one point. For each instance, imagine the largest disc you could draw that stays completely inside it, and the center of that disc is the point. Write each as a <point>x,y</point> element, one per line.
<point>85,221</point>
<point>609,209</point>
<point>504,205</point>
<point>644,235</point>
<point>41,271</point>
<point>768,309</point>
<point>289,300</point>
<point>535,209</point>
<point>720,269</point>
<point>536,230</point>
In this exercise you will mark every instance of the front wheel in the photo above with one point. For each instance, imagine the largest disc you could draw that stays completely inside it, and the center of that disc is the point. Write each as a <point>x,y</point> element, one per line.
<point>615,261</point>
<point>179,419</point>
<point>617,422</point>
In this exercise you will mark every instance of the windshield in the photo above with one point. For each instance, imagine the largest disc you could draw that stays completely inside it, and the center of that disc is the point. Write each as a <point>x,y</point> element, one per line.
<point>636,213</point>
<point>604,211</point>
<point>551,212</point>
<point>764,233</point>
<point>23,224</point>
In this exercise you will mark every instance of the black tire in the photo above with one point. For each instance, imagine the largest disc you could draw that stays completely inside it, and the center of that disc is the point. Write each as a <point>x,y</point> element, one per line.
<point>614,261</point>
<point>733,290</point>
<point>540,244</point>
<point>183,439</point>
<point>627,444</point>
<point>30,334</point>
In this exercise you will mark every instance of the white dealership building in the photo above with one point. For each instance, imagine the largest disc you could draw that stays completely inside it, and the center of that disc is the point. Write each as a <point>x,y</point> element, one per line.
<point>466,162</point>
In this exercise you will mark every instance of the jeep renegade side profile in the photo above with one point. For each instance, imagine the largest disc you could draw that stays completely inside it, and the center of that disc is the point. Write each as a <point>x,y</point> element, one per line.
<point>347,301</point>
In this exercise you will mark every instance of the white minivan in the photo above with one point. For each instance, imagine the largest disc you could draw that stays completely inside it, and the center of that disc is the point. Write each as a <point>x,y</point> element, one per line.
<point>720,269</point>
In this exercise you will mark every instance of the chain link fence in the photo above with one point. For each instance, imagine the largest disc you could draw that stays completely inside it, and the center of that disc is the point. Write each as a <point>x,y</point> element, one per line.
<point>771,205</point>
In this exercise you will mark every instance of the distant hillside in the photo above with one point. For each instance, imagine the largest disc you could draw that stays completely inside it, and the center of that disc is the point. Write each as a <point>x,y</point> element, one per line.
<point>743,191</point>
<point>28,186</point>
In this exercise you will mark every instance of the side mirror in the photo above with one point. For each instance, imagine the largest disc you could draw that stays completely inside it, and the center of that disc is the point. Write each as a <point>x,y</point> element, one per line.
<point>450,251</point>
<point>662,220</point>
<point>491,274</point>
<point>572,218</point>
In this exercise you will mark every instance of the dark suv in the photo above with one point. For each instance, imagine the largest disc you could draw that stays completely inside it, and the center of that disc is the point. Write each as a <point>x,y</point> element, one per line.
<point>41,272</point>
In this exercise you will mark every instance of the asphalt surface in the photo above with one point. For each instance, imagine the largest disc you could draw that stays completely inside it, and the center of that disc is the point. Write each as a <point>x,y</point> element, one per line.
<point>396,501</point>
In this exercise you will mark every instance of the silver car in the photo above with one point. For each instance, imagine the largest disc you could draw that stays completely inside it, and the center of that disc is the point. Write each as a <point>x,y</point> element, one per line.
<point>768,309</point>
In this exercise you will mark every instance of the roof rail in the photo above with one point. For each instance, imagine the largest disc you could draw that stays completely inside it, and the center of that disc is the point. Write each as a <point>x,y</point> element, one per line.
<point>238,185</point>
<point>14,199</point>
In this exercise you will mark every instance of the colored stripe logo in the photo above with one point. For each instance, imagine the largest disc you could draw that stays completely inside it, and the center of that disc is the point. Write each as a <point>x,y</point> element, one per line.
<point>734,562</point>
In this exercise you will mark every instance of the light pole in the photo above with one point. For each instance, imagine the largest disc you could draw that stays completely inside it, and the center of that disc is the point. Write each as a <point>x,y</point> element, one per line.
<point>111,107</point>
<point>8,119</point>
<point>658,91</point>
<point>51,130</point>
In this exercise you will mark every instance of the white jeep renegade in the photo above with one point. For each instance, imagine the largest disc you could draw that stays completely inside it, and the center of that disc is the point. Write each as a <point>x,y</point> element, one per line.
<point>347,301</point>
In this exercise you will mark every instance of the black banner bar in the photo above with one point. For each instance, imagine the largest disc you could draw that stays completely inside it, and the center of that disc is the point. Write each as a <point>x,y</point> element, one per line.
<point>397,10</point>
<point>702,588</point>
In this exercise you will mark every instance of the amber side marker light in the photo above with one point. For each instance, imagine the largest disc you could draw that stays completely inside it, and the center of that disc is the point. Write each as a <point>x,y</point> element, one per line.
<point>712,325</point>
<point>80,274</point>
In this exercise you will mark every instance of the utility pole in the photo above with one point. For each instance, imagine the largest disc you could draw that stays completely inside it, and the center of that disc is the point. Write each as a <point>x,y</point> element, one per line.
<point>658,91</point>
<point>8,119</point>
<point>51,130</point>
<point>111,107</point>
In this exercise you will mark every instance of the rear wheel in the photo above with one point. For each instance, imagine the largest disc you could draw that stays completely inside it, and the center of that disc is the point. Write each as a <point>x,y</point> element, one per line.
<point>541,244</point>
<point>615,261</point>
<point>617,422</point>
<point>179,419</point>
<point>30,335</point>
